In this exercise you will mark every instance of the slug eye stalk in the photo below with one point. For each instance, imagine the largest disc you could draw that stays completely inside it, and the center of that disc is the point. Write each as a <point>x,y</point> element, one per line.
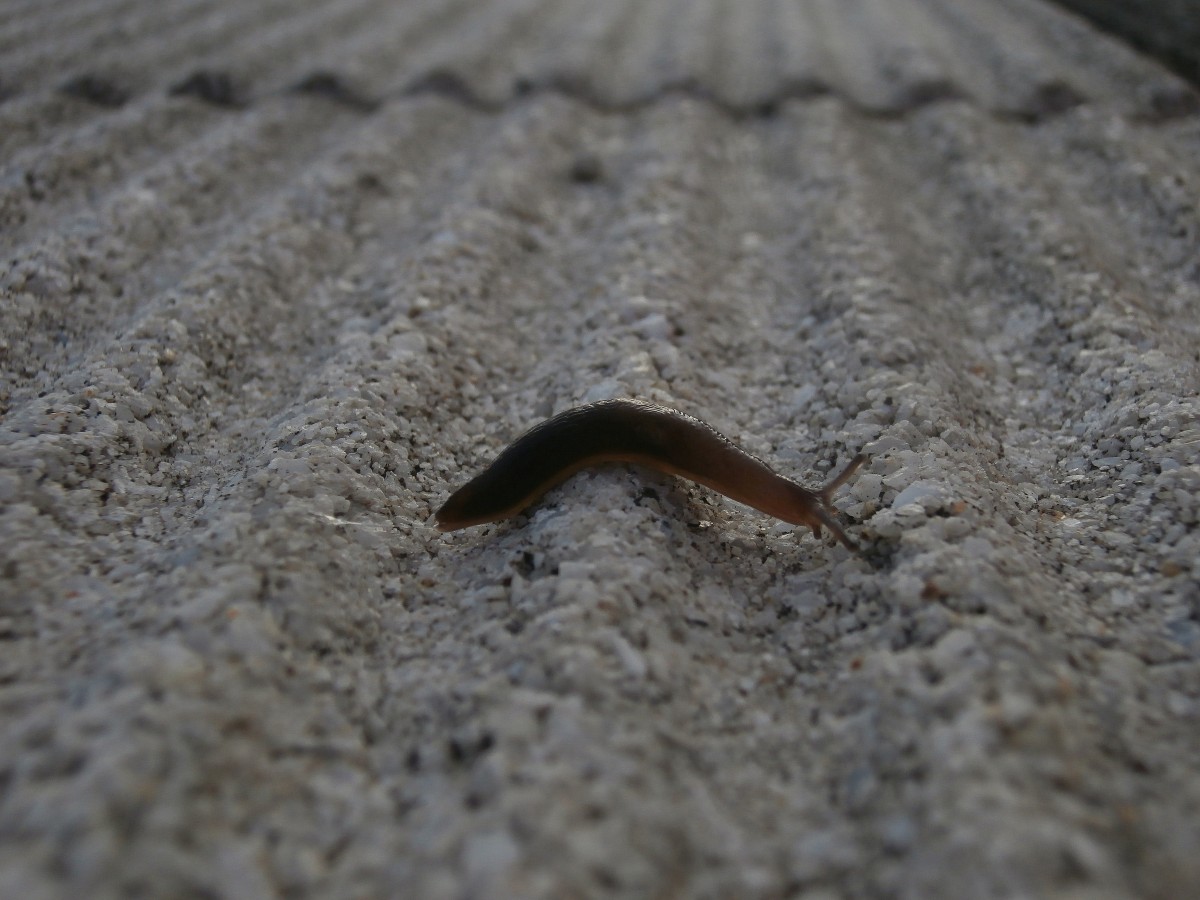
<point>825,511</point>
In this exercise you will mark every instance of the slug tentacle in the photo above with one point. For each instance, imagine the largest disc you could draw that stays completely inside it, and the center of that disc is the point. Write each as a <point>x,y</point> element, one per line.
<point>633,431</point>
<point>852,467</point>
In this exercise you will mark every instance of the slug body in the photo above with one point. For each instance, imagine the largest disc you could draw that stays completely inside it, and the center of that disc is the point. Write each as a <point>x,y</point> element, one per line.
<point>633,431</point>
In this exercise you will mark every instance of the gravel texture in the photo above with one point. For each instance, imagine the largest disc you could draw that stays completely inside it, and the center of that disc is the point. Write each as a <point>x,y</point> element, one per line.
<point>280,276</point>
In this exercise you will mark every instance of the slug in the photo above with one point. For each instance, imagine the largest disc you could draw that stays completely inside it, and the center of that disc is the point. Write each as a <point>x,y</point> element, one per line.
<point>634,431</point>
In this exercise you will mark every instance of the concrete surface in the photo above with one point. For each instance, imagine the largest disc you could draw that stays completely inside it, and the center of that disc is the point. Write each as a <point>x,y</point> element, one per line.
<point>1168,30</point>
<point>254,333</point>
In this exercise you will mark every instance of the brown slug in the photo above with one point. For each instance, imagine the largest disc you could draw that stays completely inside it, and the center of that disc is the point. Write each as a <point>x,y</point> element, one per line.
<point>634,431</point>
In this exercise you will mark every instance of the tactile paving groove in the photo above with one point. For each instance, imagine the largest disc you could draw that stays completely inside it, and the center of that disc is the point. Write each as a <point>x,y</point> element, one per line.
<point>279,276</point>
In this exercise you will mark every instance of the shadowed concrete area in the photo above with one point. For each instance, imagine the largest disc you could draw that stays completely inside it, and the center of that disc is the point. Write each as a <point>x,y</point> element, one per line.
<point>1166,29</point>
<point>278,277</point>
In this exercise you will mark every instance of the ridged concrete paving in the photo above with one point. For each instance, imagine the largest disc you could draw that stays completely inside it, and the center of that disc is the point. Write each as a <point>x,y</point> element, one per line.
<point>280,276</point>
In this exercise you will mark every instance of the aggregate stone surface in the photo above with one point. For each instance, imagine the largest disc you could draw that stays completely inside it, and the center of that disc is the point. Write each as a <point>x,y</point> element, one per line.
<point>279,277</point>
